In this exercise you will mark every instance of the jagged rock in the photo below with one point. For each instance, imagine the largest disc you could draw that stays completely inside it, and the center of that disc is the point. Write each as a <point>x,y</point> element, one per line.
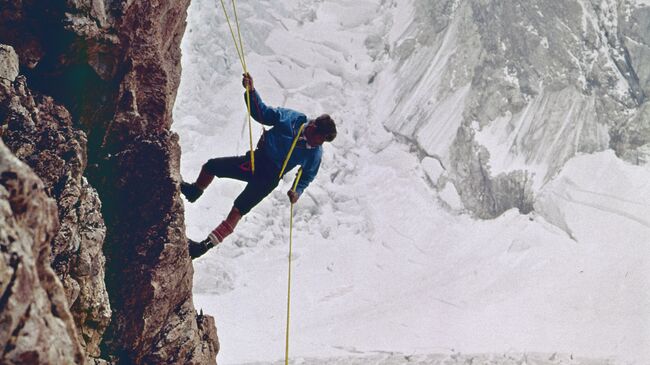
<point>115,66</point>
<point>487,195</point>
<point>634,34</point>
<point>91,309</point>
<point>8,63</point>
<point>36,325</point>
<point>183,324</point>
<point>41,134</point>
<point>152,279</point>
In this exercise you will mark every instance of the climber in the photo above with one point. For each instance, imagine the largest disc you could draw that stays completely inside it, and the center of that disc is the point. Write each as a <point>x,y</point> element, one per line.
<point>271,152</point>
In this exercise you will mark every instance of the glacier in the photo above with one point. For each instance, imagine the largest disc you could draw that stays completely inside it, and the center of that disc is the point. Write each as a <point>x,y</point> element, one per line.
<point>488,192</point>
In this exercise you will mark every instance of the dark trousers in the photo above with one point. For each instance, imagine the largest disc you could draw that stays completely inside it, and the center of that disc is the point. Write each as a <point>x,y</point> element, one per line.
<point>259,184</point>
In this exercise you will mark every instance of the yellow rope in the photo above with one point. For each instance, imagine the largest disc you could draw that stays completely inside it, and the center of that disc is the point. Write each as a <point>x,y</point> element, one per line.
<point>241,44</point>
<point>293,144</point>
<point>240,53</point>
<point>286,348</point>
<point>242,59</point>
<point>295,185</point>
<point>250,129</point>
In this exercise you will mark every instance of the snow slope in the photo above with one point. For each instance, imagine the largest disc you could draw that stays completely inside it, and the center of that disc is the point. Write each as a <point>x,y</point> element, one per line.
<point>387,261</point>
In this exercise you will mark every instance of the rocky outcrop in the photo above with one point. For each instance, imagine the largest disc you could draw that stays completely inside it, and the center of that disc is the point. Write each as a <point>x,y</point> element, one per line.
<point>111,70</point>
<point>8,63</point>
<point>630,33</point>
<point>42,134</point>
<point>36,324</point>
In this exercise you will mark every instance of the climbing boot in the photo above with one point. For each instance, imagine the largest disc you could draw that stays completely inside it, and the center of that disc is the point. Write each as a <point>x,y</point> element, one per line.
<point>191,191</point>
<point>197,249</point>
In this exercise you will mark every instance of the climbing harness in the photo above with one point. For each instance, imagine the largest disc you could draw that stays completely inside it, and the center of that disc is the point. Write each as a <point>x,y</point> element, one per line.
<point>286,349</point>
<point>240,52</point>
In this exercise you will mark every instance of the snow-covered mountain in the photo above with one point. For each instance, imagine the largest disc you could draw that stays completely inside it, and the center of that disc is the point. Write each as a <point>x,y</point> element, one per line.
<point>504,93</point>
<point>488,191</point>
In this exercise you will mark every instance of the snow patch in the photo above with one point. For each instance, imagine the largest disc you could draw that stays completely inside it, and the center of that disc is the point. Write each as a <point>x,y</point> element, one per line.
<point>450,196</point>
<point>433,168</point>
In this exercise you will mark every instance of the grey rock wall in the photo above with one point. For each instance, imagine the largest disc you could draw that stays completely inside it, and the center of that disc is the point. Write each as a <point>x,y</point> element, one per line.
<point>631,137</point>
<point>504,93</point>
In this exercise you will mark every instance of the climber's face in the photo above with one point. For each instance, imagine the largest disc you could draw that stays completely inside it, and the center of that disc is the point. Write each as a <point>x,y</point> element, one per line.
<point>313,138</point>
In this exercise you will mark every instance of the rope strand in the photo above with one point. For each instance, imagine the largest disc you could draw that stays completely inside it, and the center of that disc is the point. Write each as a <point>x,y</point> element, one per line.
<point>241,44</point>
<point>293,145</point>
<point>286,347</point>
<point>232,33</point>
<point>242,59</point>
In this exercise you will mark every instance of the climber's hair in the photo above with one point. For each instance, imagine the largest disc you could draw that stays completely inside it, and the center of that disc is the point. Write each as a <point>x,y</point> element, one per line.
<point>326,127</point>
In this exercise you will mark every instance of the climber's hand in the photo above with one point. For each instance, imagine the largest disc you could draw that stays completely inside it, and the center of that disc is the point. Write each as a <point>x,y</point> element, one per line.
<point>247,81</point>
<point>293,196</point>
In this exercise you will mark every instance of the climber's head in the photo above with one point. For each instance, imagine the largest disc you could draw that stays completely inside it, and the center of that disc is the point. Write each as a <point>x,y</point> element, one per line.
<point>320,130</point>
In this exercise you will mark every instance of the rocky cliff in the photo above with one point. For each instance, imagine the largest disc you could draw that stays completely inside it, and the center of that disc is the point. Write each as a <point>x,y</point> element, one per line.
<point>37,326</point>
<point>90,115</point>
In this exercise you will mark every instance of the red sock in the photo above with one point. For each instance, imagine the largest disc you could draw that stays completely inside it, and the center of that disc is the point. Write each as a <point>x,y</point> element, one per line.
<point>221,232</point>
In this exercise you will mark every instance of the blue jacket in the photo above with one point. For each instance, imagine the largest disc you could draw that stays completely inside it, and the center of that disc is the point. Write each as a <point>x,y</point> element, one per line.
<point>278,140</point>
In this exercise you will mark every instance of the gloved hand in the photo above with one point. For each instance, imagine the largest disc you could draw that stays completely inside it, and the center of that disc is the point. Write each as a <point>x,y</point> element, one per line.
<point>191,191</point>
<point>293,196</point>
<point>247,81</point>
<point>197,249</point>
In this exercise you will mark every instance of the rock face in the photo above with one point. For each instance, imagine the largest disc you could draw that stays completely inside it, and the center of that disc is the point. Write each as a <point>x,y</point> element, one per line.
<point>41,134</point>
<point>8,63</point>
<point>517,88</point>
<point>37,326</point>
<point>111,71</point>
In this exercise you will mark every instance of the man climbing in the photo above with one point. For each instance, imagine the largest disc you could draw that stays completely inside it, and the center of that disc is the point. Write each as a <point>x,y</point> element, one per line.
<point>272,150</point>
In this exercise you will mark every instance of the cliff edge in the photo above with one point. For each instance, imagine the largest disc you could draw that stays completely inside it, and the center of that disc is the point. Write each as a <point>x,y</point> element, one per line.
<point>95,265</point>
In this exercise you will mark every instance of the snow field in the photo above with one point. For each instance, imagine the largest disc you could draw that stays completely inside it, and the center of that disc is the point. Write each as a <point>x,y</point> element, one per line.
<point>381,267</point>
